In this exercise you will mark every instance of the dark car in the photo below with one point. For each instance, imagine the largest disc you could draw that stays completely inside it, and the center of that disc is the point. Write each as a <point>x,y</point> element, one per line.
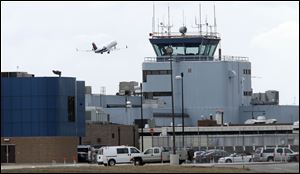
<point>213,155</point>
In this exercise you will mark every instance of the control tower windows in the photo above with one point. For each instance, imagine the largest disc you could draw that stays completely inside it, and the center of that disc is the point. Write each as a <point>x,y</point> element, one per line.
<point>206,49</point>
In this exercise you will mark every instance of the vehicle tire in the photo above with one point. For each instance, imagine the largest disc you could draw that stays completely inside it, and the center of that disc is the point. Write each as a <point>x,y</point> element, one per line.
<point>270,159</point>
<point>138,162</point>
<point>250,160</point>
<point>228,161</point>
<point>111,162</point>
<point>181,161</point>
<point>105,164</point>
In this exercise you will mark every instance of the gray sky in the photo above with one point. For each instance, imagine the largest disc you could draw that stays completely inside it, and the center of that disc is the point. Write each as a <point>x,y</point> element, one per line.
<point>41,36</point>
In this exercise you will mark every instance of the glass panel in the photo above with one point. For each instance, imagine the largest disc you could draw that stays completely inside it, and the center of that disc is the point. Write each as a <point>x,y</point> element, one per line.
<point>149,151</point>
<point>134,150</point>
<point>212,50</point>
<point>192,50</point>
<point>157,50</point>
<point>288,151</point>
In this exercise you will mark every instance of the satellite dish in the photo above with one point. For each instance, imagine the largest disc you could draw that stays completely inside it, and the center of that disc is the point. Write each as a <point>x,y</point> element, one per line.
<point>183,30</point>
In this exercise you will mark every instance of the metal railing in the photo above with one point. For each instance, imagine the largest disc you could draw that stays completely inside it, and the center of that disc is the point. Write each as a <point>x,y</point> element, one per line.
<point>204,34</point>
<point>196,58</point>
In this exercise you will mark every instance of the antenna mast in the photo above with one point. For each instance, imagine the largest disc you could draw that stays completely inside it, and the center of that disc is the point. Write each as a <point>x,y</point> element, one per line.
<point>215,20</point>
<point>169,31</point>
<point>183,18</point>
<point>200,25</point>
<point>206,25</point>
<point>153,19</point>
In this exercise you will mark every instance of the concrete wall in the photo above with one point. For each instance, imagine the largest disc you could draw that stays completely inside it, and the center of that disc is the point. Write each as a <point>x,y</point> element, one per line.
<point>43,149</point>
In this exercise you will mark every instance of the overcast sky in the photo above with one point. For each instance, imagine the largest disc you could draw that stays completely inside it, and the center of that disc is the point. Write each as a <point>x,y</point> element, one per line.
<point>38,37</point>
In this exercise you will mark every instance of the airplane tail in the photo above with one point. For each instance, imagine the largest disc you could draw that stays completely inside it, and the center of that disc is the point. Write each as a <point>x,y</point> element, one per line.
<point>94,46</point>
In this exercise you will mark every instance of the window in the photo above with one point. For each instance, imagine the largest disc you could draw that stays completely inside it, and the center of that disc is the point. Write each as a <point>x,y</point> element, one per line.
<point>149,151</point>
<point>247,93</point>
<point>154,72</point>
<point>162,93</point>
<point>71,108</point>
<point>112,135</point>
<point>134,150</point>
<point>98,140</point>
<point>192,50</point>
<point>206,49</point>
<point>122,151</point>
<point>288,151</point>
<point>156,150</point>
<point>279,150</point>
<point>246,71</point>
<point>268,151</point>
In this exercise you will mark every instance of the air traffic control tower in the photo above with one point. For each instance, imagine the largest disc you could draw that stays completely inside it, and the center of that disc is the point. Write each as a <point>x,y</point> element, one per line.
<point>211,83</point>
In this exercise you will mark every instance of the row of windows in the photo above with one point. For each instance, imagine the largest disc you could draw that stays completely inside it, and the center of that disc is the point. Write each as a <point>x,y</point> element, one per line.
<point>207,49</point>
<point>150,95</point>
<point>154,72</point>
<point>247,93</point>
<point>246,71</point>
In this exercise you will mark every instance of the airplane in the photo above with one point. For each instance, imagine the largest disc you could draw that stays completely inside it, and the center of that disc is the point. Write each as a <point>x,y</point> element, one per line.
<point>106,48</point>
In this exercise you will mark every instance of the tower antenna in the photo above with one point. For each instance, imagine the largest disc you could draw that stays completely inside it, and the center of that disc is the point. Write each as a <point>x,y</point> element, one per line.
<point>215,20</point>
<point>183,24</point>
<point>153,19</point>
<point>169,32</point>
<point>200,25</point>
<point>206,24</point>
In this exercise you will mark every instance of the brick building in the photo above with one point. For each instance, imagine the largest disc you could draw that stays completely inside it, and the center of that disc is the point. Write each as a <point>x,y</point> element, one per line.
<point>110,134</point>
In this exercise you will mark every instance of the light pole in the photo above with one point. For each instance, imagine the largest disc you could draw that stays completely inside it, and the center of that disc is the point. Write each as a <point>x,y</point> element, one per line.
<point>142,119</point>
<point>182,106</point>
<point>128,105</point>
<point>169,51</point>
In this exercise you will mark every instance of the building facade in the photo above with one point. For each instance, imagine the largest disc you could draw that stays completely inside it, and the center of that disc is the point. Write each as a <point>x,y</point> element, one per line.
<point>41,110</point>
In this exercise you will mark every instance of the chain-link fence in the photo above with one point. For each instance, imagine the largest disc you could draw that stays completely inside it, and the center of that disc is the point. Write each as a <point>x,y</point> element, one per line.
<point>229,143</point>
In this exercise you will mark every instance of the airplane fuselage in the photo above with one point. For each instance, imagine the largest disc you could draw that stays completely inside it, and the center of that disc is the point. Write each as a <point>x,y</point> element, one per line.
<point>107,48</point>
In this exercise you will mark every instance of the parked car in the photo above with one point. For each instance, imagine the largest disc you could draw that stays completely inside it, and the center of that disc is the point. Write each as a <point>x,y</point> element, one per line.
<point>235,158</point>
<point>197,156</point>
<point>212,155</point>
<point>158,154</point>
<point>272,154</point>
<point>293,157</point>
<point>111,155</point>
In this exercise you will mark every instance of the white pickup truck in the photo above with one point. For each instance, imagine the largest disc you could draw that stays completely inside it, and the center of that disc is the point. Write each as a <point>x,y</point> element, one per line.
<point>158,154</point>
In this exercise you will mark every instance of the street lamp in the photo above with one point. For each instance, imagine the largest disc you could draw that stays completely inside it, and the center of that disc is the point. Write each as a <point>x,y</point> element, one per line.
<point>57,72</point>
<point>169,51</point>
<point>142,119</point>
<point>128,105</point>
<point>182,106</point>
